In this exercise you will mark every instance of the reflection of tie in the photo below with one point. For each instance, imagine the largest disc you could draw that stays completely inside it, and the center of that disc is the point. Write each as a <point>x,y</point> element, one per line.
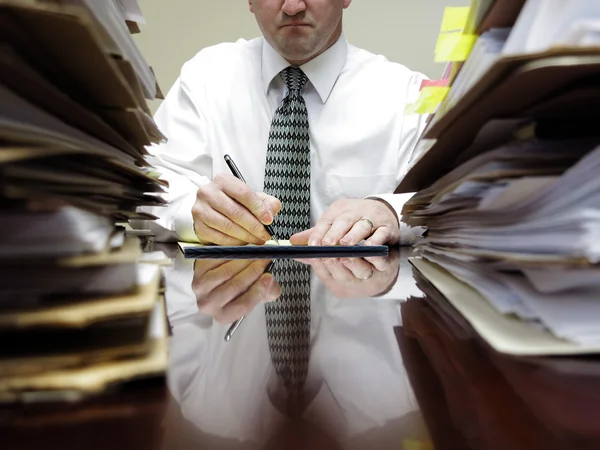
<point>287,177</point>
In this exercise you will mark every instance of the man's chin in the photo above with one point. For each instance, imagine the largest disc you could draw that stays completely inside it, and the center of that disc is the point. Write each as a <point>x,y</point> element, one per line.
<point>299,53</point>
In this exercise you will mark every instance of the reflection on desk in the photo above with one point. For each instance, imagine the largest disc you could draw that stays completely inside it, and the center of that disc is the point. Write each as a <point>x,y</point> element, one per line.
<point>357,395</point>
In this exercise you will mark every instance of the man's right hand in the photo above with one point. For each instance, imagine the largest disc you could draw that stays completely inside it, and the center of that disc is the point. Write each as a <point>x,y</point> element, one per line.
<point>228,212</point>
<point>228,290</point>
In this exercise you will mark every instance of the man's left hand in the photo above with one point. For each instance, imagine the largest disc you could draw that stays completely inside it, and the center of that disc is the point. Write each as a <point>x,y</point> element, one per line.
<point>357,277</point>
<point>348,222</point>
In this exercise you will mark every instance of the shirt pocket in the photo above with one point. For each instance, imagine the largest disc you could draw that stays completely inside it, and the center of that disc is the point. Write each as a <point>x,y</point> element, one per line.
<point>352,186</point>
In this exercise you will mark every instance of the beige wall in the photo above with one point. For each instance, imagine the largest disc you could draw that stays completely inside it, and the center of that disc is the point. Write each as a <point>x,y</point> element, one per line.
<point>404,31</point>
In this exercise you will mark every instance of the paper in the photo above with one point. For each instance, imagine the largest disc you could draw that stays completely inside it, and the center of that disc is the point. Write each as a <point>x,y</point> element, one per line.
<point>87,380</point>
<point>454,46</point>
<point>455,18</point>
<point>110,16</point>
<point>569,312</point>
<point>64,231</point>
<point>81,313</point>
<point>520,225</point>
<point>546,24</point>
<point>484,52</point>
<point>19,76</point>
<point>188,245</point>
<point>27,123</point>
<point>504,333</point>
<point>513,192</point>
<point>131,10</point>
<point>85,311</point>
<point>429,99</point>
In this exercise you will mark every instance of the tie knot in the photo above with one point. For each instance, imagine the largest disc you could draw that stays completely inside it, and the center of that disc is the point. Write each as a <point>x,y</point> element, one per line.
<point>294,78</point>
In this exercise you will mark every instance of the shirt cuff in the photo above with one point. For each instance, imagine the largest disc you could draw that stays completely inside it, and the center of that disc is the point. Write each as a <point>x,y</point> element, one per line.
<point>183,221</point>
<point>396,202</point>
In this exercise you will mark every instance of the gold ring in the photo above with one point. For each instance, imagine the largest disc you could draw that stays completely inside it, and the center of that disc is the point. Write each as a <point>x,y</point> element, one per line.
<point>370,275</point>
<point>369,222</point>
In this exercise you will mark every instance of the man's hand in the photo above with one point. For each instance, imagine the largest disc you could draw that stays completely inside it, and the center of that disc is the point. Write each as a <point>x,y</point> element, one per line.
<point>228,212</point>
<point>228,290</point>
<point>356,277</point>
<point>347,222</point>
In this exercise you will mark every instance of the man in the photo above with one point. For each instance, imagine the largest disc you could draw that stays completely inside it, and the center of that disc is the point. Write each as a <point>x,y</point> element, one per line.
<point>314,122</point>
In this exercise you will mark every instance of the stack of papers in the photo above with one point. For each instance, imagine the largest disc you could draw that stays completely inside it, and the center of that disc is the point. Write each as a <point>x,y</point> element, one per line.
<point>520,225</point>
<point>81,313</point>
<point>536,60</point>
<point>513,215</point>
<point>507,186</point>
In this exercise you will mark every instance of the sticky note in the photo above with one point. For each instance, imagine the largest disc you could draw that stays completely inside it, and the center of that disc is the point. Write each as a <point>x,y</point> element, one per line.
<point>455,18</point>
<point>428,101</point>
<point>454,46</point>
<point>426,83</point>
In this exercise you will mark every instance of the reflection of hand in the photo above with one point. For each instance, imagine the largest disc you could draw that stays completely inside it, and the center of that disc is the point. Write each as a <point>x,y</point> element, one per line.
<point>228,290</point>
<point>228,212</point>
<point>347,222</point>
<point>357,277</point>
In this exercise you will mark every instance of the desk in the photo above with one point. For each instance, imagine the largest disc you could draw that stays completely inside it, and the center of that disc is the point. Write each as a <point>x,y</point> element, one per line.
<point>360,394</point>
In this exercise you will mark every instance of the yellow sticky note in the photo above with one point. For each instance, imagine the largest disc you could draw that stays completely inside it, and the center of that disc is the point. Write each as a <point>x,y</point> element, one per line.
<point>454,47</point>
<point>428,101</point>
<point>455,18</point>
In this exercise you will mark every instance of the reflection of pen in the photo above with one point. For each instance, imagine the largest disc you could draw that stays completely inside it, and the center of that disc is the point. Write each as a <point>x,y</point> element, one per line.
<point>235,325</point>
<point>236,173</point>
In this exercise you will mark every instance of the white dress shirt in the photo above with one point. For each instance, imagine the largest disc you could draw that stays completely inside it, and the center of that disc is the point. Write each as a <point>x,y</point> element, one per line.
<point>360,389</point>
<point>223,102</point>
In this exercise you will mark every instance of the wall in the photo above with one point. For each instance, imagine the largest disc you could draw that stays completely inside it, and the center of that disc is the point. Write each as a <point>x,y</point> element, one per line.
<point>404,31</point>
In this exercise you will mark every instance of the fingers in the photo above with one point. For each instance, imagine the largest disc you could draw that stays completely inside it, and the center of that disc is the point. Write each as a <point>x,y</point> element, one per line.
<point>360,269</point>
<point>273,204</point>
<point>265,289</point>
<point>208,235</point>
<point>205,283</point>
<point>319,231</point>
<point>342,224</point>
<point>301,238</point>
<point>338,229</point>
<point>382,236</point>
<point>320,269</point>
<point>339,272</point>
<point>218,226</point>
<point>359,231</point>
<point>382,264</point>
<point>235,288</point>
<point>242,193</point>
<point>201,266</point>
<point>235,220</point>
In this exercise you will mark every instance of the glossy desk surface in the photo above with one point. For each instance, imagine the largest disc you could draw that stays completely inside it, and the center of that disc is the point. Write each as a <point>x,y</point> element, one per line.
<point>224,394</point>
<point>391,366</point>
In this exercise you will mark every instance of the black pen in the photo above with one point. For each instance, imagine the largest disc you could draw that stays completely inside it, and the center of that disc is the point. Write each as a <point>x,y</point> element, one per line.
<point>235,325</point>
<point>236,173</point>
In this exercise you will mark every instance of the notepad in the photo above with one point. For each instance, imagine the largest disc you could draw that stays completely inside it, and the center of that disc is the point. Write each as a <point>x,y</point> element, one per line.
<point>272,250</point>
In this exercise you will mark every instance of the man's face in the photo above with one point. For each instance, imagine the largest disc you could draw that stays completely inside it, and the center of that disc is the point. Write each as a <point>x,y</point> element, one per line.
<point>299,30</point>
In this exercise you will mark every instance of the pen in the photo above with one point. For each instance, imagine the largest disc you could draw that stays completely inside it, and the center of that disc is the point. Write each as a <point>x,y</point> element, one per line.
<point>235,325</point>
<point>236,173</point>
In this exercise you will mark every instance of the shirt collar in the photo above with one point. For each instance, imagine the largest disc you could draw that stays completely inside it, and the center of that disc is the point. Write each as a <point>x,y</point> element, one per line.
<point>322,71</point>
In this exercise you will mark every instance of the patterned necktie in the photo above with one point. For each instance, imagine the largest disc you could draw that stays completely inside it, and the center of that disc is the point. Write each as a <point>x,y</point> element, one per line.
<point>287,177</point>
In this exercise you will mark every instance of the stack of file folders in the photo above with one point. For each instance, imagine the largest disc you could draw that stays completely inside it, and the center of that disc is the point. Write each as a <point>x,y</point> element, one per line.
<point>81,316</point>
<point>507,187</point>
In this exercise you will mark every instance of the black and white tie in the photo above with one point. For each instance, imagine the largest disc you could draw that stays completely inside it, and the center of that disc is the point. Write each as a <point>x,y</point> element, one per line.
<point>287,177</point>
